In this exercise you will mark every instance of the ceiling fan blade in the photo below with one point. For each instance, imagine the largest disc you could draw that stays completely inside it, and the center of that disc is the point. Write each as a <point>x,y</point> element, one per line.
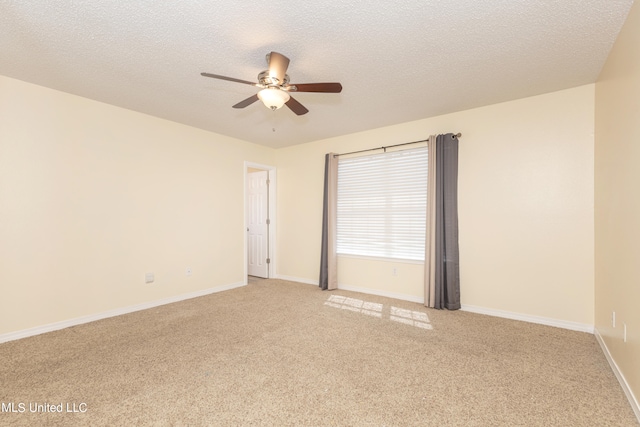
<point>316,87</point>
<point>296,107</point>
<point>231,79</point>
<point>278,64</point>
<point>250,100</point>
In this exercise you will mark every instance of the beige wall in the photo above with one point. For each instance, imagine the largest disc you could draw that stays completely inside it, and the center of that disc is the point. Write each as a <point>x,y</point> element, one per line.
<point>525,200</point>
<point>94,196</point>
<point>617,201</point>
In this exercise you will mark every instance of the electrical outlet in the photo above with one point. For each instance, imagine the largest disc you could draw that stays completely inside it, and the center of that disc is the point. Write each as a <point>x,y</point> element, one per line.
<point>613,319</point>
<point>394,272</point>
<point>149,278</point>
<point>624,333</point>
<point>189,272</point>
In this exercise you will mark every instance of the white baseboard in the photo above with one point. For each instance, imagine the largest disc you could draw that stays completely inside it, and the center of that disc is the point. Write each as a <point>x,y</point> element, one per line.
<point>356,289</point>
<point>380,293</point>
<point>296,279</point>
<point>11,336</point>
<point>621,379</point>
<point>564,324</point>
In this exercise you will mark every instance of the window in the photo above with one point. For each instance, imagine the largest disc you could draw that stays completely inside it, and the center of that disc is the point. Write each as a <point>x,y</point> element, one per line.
<point>382,205</point>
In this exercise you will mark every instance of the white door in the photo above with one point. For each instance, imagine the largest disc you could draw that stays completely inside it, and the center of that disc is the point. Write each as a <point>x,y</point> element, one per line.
<point>258,223</point>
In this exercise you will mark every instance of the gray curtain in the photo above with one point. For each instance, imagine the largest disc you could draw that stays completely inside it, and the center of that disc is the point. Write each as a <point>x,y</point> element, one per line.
<point>328,261</point>
<point>447,274</point>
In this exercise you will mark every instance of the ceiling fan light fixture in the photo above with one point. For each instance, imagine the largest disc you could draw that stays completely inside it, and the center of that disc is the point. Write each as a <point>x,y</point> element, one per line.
<point>273,98</point>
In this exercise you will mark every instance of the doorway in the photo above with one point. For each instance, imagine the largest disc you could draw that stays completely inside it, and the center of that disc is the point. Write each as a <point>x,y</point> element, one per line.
<point>259,197</point>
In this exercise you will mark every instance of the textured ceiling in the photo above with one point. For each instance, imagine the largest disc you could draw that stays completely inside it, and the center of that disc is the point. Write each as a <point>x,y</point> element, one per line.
<point>397,61</point>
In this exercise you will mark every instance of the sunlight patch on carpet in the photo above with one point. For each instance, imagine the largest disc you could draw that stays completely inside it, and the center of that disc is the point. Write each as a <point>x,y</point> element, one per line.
<point>353,304</point>
<point>410,317</point>
<point>401,315</point>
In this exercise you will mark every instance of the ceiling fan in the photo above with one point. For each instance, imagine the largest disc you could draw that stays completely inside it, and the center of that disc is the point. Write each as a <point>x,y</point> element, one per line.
<point>276,88</point>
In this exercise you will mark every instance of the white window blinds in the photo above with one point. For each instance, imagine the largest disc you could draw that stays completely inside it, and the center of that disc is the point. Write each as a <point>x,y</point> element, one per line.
<point>382,204</point>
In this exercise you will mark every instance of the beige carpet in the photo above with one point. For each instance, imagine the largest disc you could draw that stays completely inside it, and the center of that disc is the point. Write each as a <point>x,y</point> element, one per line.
<point>277,353</point>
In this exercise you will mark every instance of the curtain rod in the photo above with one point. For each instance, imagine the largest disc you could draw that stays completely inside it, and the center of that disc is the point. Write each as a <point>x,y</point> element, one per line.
<point>457,135</point>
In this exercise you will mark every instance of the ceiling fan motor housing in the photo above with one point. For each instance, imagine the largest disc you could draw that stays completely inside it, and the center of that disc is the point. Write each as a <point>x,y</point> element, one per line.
<point>265,79</point>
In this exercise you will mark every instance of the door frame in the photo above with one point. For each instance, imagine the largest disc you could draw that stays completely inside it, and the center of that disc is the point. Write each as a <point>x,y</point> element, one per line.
<point>272,216</point>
